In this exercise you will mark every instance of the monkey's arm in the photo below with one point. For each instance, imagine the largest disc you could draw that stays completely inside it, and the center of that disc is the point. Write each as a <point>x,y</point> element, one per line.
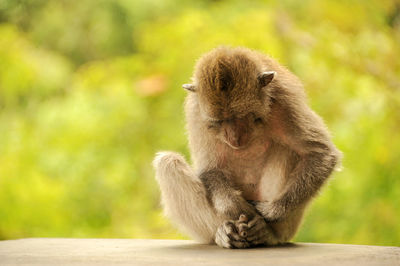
<point>300,129</point>
<point>224,197</point>
<point>227,201</point>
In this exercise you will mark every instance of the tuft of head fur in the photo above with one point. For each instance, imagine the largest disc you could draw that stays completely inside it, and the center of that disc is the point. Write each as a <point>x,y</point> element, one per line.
<point>231,88</point>
<point>227,81</point>
<point>225,70</point>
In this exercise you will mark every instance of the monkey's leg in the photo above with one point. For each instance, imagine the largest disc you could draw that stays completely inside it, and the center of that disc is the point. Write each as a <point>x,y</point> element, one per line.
<point>228,201</point>
<point>225,198</point>
<point>263,232</point>
<point>185,203</point>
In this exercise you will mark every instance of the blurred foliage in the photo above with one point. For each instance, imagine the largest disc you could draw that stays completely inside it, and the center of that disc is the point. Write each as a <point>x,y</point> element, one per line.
<point>90,90</point>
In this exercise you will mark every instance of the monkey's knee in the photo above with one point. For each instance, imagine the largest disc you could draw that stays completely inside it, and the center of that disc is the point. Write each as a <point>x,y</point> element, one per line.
<point>169,165</point>
<point>183,197</point>
<point>286,229</point>
<point>168,159</point>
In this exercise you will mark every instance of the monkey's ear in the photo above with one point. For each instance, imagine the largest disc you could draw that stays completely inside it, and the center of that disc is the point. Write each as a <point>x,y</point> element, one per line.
<point>266,77</point>
<point>189,87</point>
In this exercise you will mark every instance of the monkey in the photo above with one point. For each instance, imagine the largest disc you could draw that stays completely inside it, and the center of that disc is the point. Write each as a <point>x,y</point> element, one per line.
<point>259,153</point>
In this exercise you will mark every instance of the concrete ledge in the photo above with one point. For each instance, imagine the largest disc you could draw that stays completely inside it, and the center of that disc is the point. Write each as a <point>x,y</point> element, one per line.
<point>55,251</point>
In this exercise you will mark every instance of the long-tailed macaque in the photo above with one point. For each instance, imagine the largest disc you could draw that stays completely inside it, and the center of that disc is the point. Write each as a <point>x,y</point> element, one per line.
<point>259,153</point>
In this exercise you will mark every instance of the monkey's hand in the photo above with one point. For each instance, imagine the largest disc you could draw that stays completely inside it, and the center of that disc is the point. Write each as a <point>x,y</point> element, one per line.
<point>232,234</point>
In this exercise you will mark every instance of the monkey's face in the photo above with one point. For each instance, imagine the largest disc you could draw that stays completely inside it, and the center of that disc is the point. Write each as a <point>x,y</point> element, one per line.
<point>236,115</point>
<point>229,86</point>
<point>236,121</point>
<point>236,132</point>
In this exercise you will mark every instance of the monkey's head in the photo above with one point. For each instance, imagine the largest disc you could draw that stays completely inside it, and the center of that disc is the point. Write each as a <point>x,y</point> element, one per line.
<point>230,86</point>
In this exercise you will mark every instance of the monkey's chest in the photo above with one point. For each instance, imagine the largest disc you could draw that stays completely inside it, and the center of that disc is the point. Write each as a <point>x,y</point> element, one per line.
<point>260,184</point>
<point>258,174</point>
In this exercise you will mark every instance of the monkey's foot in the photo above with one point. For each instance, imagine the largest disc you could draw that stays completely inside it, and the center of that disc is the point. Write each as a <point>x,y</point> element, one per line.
<point>257,231</point>
<point>232,235</point>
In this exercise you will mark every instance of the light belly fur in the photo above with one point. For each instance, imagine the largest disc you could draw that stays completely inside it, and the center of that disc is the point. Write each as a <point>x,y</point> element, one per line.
<point>261,176</point>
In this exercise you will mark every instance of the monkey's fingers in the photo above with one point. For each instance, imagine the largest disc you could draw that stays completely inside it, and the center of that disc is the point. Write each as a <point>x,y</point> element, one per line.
<point>258,241</point>
<point>231,231</point>
<point>256,228</point>
<point>241,228</point>
<point>243,218</point>
<point>257,232</point>
<point>226,237</point>
<point>256,220</point>
<point>240,244</point>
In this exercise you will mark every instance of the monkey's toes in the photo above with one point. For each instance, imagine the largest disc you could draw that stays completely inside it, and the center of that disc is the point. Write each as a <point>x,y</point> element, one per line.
<point>242,228</point>
<point>243,218</point>
<point>227,236</point>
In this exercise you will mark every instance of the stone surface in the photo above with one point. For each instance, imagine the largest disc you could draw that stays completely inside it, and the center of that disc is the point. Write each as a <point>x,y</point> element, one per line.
<point>56,251</point>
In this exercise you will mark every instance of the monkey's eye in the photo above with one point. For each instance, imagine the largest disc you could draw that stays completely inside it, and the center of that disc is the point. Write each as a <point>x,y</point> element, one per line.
<point>214,123</point>
<point>258,120</point>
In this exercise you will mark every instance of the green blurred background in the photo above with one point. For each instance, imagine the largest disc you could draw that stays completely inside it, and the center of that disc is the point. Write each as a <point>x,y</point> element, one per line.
<point>91,89</point>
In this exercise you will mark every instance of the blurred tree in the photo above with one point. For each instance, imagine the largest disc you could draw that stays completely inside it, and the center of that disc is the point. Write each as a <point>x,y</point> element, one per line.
<point>90,90</point>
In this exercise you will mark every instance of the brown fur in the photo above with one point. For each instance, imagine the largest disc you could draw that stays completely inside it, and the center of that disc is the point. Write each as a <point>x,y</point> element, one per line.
<point>257,150</point>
